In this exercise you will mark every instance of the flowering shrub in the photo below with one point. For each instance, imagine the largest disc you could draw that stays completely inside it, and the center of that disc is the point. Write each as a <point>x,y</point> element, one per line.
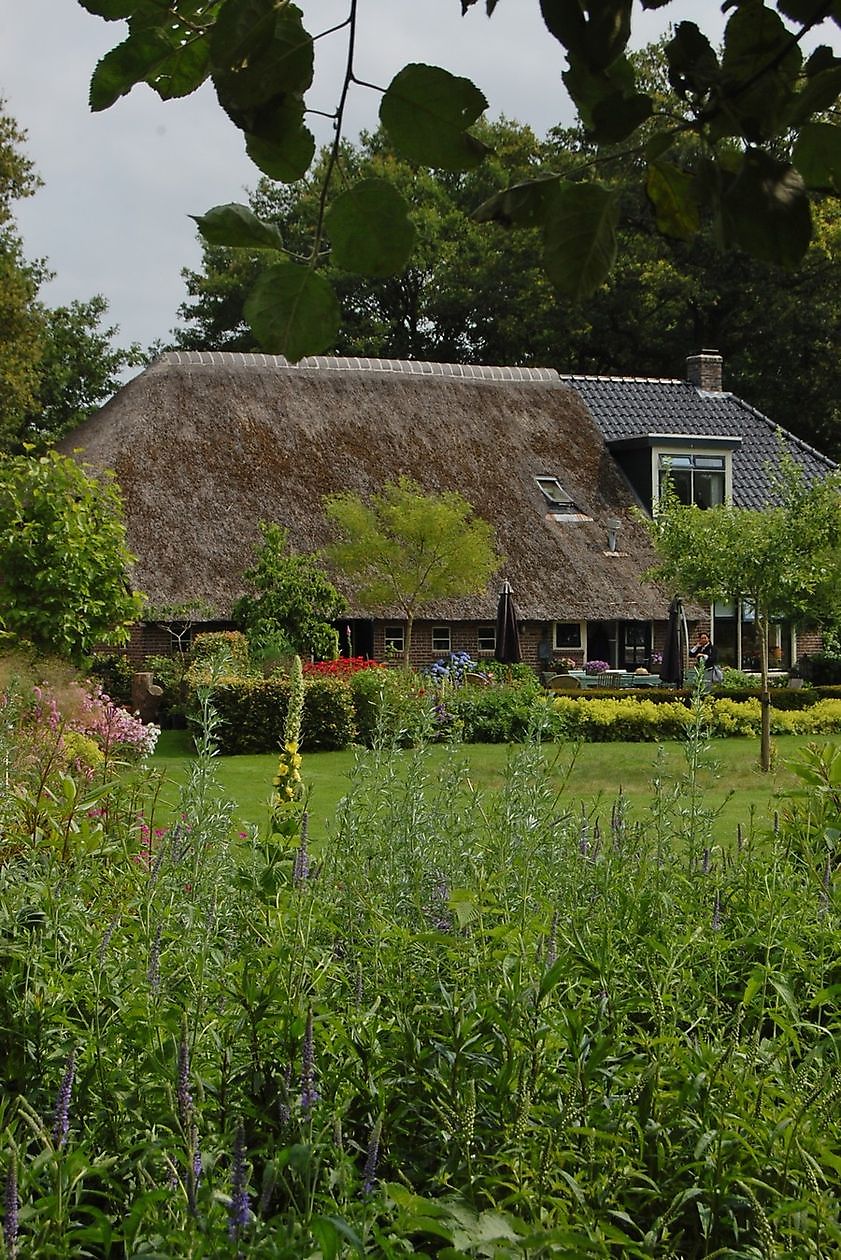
<point>596,667</point>
<point>342,667</point>
<point>452,668</point>
<point>114,729</point>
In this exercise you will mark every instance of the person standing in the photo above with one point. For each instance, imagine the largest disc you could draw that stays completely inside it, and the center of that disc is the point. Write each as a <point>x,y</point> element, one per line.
<point>705,654</point>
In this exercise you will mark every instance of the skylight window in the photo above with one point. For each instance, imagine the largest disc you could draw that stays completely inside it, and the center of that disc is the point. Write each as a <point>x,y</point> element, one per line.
<point>559,499</point>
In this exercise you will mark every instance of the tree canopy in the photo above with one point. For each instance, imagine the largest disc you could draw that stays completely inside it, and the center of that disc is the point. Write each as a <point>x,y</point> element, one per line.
<point>784,561</point>
<point>477,293</point>
<point>293,600</point>
<point>64,564</point>
<point>755,135</point>
<point>56,365</point>
<point>404,548</point>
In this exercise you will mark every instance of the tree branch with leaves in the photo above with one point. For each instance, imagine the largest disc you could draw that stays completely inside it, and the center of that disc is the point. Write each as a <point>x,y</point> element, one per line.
<point>756,133</point>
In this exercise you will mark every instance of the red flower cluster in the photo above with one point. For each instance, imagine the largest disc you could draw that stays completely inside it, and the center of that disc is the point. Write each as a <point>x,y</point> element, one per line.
<point>341,668</point>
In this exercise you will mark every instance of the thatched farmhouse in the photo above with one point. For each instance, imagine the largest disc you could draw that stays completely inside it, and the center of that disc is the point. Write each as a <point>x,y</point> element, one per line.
<point>207,445</point>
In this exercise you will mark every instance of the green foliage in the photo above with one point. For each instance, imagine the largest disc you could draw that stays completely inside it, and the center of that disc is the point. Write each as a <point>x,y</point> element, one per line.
<point>294,599</point>
<point>252,712</point>
<point>393,708</point>
<point>503,714</point>
<point>721,154</point>
<point>224,650</point>
<point>481,1025</point>
<point>114,672</point>
<point>404,548</point>
<point>820,668</point>
<point>63,556</point>
<point>785,560</point>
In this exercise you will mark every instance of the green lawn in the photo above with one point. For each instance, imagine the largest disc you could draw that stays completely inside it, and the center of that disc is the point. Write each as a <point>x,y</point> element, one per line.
<point>597,772</point>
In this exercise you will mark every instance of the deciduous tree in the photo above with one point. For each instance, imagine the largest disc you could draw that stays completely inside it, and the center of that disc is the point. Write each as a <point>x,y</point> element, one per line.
<point>753,137</point>
<point>404,548</point>
<point>64,564</point>
<point>785,561</point>
<point>293,599</point>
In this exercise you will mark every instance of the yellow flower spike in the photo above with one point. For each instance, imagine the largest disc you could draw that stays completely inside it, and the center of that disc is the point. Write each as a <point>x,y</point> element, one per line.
<point>282,770</point>
<point>291,746</point>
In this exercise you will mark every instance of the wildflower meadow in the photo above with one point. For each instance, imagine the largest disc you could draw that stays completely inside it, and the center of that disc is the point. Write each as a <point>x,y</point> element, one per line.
<point>460,1024</point>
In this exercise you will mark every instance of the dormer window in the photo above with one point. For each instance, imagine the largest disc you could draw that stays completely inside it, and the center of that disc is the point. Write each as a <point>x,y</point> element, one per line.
<point>559,499</point>
<point>695,479</point>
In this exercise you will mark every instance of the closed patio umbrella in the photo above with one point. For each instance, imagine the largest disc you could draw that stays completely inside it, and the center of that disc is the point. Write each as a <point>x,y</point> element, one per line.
<point>671,670</point>
<point>508,649</point>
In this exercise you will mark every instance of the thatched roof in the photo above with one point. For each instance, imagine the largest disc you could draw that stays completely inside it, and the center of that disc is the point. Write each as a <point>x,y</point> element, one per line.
<point>205,445</point>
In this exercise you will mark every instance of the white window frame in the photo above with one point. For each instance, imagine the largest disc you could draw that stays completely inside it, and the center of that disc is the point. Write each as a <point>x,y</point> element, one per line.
<point>488,633</point>
<point>439,634</point>
<point>565,647</point>
<point>555,493</point>
<point>669,452</point>
<point>394,638</point>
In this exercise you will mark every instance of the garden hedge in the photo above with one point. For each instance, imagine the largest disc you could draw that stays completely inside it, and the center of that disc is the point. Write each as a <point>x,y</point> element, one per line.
<point>253,713</point>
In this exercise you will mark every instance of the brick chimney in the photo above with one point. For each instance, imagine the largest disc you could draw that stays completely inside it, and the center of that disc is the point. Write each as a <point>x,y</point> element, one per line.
<point>704,370</point>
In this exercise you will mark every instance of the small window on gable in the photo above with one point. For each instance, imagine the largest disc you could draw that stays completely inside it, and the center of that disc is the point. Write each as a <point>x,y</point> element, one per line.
<point>698,479</point>
<point>395,639</point>
<point>559,499</point>
<point>441,639</point>
<point>567,634</point>
<point>486,639</point>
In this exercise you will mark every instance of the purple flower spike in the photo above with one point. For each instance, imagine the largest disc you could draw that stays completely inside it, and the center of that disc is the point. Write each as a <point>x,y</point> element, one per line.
<point>240,1209</point>
<point>369,1176</point>
<point>309,1094</point>
<point>153,970</point>
<point>185,1098</point>
<point>11,1204</point>
<point>61,1122</point>
<point>716,920</point>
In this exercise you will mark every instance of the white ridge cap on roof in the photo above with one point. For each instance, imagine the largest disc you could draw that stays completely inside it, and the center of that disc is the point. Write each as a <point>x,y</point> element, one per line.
<point>635,380</point>
<point>332,363</point>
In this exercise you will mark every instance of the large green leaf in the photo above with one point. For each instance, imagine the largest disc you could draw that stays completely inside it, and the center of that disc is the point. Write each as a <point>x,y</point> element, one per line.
<point>426,112</point>
<point>133,61</point>
<point>765,210</point>
<point>580,238</point>
<point>817,155</point>
<point>260,51</point>
<point>370,230</point>
<point>672,193</point>
<point>521,205</point>
<point>284,147</point>
<point>183,71</point>
<point>693,65</point>
<point>238,227</point>
<point>598,39</point>
<point>820,93</point>
<point>111,10</point>
<point>760,65</point>
<point>292,310</point>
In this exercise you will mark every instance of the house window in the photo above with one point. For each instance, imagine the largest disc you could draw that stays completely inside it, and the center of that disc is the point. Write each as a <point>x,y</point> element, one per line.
<point>395,639</point>
<point>698,479</point>
<point>486,639</point>
<point>441,639</point>
<point>636,649</point>
<point>567,634</point>
<point>559,499</point>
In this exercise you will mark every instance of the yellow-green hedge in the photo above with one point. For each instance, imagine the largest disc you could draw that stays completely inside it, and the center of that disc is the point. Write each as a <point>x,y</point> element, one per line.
<point>633,719</point>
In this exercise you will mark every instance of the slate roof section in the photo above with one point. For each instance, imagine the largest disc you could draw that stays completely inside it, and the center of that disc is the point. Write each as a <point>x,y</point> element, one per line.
<point>627,407</point>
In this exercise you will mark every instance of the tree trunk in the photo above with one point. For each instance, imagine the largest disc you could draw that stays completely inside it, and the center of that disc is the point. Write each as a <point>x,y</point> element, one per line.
<point>764,694</point>
<point>407,644</point>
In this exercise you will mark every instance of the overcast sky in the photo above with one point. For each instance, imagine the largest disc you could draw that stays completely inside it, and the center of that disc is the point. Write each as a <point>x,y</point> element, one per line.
<point>112,217</point>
